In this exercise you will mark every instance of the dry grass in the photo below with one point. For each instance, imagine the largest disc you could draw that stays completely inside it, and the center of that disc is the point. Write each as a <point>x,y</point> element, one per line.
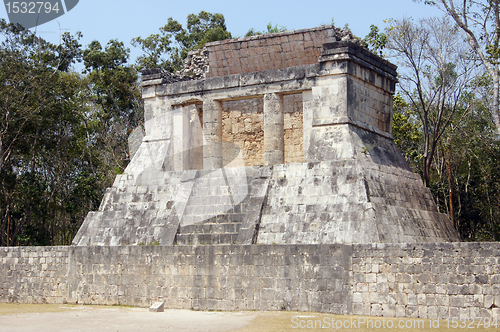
<point>21,308</point>
<point>278,321</point>
<point>290,321</point>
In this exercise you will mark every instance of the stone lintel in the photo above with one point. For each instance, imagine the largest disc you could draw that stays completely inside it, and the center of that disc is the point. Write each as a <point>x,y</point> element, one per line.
<point>347,120</point>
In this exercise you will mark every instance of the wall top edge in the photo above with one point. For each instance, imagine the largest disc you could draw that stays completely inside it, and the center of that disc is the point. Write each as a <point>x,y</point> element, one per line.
<point>270,35</point>
<point>358,246</point>
<point>298,77</point>
<point>361,52</point>
<point>331,53</point>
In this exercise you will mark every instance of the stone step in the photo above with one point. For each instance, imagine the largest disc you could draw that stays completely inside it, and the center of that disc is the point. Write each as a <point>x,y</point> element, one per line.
<point>230,217</point>
<point>205,239</point>
<point>211,228</point>
<point>208,233</point>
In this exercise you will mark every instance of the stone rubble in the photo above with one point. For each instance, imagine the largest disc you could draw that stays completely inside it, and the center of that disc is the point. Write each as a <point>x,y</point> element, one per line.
<point>346,35</point>
<point>195,67</point>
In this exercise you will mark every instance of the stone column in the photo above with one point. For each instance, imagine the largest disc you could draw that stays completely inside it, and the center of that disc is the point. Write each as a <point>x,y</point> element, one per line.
<point>180,131</point>
<point>274,132</point>
<point>212,132</point>
<point>195,139</point>
<point>307,118</point>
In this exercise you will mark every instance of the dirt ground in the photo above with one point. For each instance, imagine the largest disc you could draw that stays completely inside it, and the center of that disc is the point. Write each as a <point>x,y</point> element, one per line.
<point>76,318</point>
<point>68,318</point>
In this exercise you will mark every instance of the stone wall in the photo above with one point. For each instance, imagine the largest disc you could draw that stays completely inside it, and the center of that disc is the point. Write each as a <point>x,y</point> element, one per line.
<point>370,105</point>
<point>34,274</point>
<point>349,202</point>
<point>427,280</point>
<point>403,280</point>
<point>271,51</point>
<point>243,124</point>
<point>327,202</point>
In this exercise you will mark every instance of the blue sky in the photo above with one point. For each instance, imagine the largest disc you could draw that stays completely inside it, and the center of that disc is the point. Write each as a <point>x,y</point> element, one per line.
<point>123,20</point>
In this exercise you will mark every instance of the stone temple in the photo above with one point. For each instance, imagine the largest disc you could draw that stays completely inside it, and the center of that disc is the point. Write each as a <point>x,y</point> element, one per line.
<point>284,139</point>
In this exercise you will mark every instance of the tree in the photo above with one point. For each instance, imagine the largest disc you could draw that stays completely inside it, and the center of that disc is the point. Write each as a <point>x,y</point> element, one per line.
<point>375,40</point>
<point>40,107</point>
<point>406,129</point>
<point>480,21</point>
<point>28,65</point>
<point>159,51</point>
<point>463,174</point>
<point>63,136</point>
<point>466,180</point>
<point>115,96</point>
<point>433,78</point>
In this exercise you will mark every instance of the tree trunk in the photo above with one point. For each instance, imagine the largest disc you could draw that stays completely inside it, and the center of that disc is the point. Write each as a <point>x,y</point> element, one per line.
<point>8,217</point>
<point>495,113</point>
<point>450,184</point>
<point>427,180</point>
<point>8,227</point>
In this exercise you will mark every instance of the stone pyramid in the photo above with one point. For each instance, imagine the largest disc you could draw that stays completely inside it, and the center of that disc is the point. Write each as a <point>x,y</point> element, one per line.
<point>285,140</point>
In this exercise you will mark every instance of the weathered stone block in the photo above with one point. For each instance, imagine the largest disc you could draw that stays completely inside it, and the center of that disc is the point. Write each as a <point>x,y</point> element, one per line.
<point>157,307</point>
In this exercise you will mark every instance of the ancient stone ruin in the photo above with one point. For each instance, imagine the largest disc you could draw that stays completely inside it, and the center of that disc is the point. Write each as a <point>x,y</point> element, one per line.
<point>282,140</point>
<point>274,139</point>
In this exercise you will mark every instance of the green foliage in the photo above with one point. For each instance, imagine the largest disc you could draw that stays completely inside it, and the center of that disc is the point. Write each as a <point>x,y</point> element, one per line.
<point>375,40</point>
<point>37,99</point>
<point>154,46</point>
<point>471,149</point>
<point>112,78</point>
<point>275,28</point>
<point>201,29</point>
<point>116,99</point>
<point>270,29</point>
<point>407,131</point>
<point>160,51</point>
<point>252,32</point>
<point>62,135</point>
<point>442,124</point>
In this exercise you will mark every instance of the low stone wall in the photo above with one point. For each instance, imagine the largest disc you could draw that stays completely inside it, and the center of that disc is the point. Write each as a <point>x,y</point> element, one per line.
<point>427,280</point>
<point>404,280</point>
<point>34,274</point>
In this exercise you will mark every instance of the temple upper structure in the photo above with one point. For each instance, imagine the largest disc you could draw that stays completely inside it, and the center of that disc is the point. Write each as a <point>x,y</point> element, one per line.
<point>285,138</point>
